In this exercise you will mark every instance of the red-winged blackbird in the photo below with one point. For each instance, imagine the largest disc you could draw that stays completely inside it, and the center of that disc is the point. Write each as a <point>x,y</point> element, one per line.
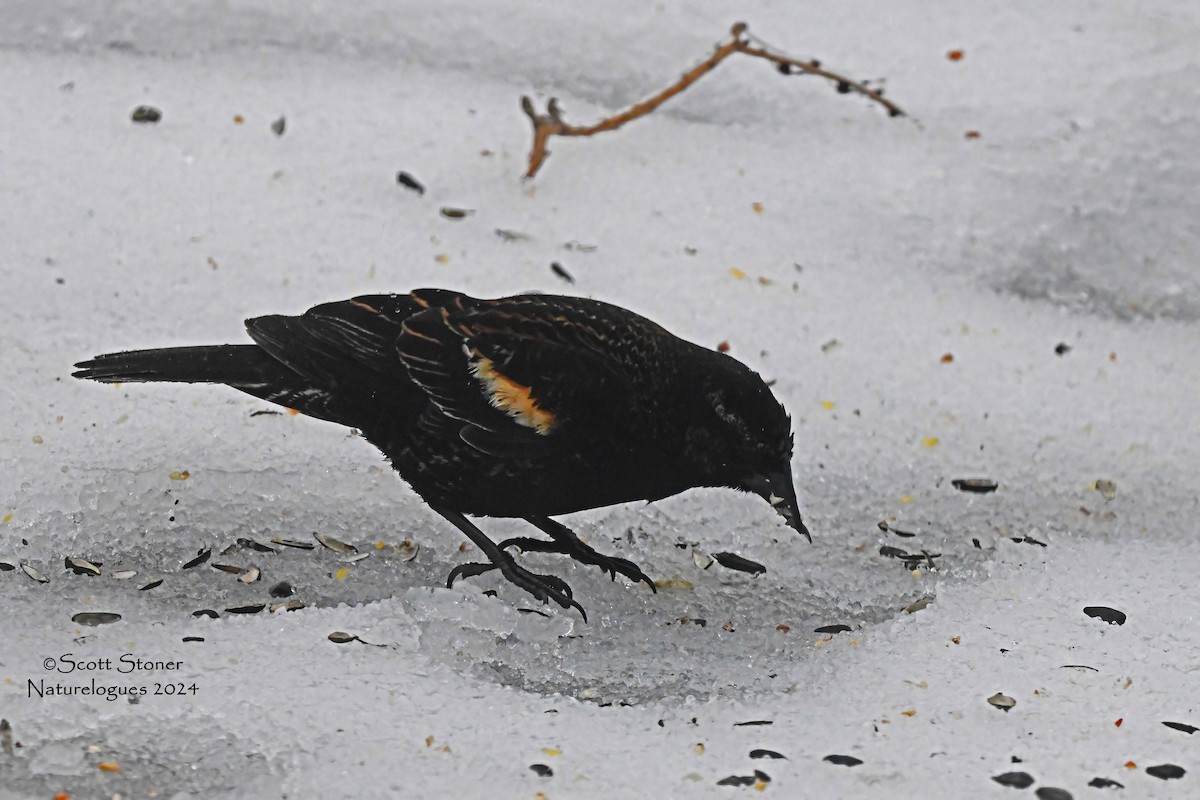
<point>528,406</point>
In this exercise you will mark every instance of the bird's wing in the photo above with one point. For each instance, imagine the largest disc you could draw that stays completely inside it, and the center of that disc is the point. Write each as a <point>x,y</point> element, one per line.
<point>509,389</point>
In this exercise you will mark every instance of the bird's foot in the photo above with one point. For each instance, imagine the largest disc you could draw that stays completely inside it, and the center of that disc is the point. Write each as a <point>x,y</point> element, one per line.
<point>576,549</point>
<point>543,587</point>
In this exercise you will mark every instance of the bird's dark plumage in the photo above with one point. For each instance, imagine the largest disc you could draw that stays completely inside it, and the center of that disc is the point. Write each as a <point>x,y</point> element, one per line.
<point>528,406</point>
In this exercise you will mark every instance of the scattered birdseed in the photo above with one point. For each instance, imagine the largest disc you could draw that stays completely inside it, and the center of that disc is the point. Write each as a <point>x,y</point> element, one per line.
<point>279,126</point>
<point>179,475</point>
<point>456,213</point>
<point>761,776</point>
<point>33,573</point>
<point>341,637</point>
<point>832,629</point>
<point>146,114</point>
<point>80,566</point>
<point>253,609</point>
<point>1002,701</point>
<point>1110,615</point>
<point>1017,780</point>
<point>250,576</point>
<point>193,638</point>
<point>409,182</point>
<point>511,236</point>
<point>282,589</point>
<point>7,566</point>
<point>1052,793</point>
<point>290,605</point>
<point>734,561</point>
<point>125,574</point>
<point>843,761</point>
<point>354,559</point>
<point>1182,726</point>
<point>407,549</point>
<point>748,723</point>
<point>230,568</point>
<point>561,272</point>
<point>250,544</point>
<point>737,780</point>
<point>541,770</point>
<point>1062,348</point>
<point>919,605</point>
<point>1105,783</point>
<point>95,618</point>
<point>1106,488</point>
<point>266,412</point>
<point>1166,772</point>
<point>292,543</point>
<point>760,753</point>
<point>202,555</point>
<point>886,528</point>
<point>333,544</point>
<point>974,485</point>
<point>206,612</point>
<point>1080,666</point>
<point>701,559</point>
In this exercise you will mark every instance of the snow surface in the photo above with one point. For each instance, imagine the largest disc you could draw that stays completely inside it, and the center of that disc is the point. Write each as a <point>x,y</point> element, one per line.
<point>884,244</point>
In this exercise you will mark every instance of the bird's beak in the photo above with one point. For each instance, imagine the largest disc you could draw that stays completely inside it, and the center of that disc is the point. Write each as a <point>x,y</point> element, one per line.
<point>778,490</point>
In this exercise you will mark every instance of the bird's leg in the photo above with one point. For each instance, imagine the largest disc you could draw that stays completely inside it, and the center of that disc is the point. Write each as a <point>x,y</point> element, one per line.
<point>543,587</point>
<point>567,543</point>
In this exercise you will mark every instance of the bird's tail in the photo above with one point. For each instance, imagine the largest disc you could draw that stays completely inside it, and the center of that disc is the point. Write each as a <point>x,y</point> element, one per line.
<point>243,366</point>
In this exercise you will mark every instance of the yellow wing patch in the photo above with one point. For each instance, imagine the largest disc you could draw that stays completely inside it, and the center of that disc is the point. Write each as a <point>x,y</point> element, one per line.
<point>511,397</point>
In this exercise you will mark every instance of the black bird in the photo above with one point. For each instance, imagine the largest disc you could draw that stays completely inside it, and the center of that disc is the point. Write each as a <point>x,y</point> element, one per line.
<point>528,406</point>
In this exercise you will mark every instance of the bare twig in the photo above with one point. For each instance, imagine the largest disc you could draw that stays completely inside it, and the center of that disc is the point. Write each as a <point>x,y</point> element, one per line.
<point>551,122</point>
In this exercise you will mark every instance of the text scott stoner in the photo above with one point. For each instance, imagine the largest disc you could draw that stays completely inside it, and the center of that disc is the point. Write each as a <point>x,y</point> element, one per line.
<point>127,663</point>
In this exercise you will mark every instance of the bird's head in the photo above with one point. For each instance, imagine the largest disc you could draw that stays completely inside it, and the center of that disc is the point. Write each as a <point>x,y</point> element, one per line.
<point>750,438</point>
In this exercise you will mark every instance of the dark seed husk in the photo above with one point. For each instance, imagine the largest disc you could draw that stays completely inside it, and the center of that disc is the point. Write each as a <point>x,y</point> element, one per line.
<point>843,761</point>
<point>409,182</point>
<point>1105,783</point>
<point>762,776</point>
<point>1110,615</point>
<point>737,780</point>
<point>34,573</point>
<point>146,114</point>
<point>1167,772</point>
<point>250,544</point>
<point>1052,793</point>
<point>734,561</point>
<point>456,213</point>
<point>1182,726</point>
<point>206,612</point>
<point>336,545</point>
<point>975,485</point>
<point>541,770</point>
<point>7,566</point>
<point>230,568</point>
<point>1002,701</point>
<point>887,551</point>
<point>1017,780</point>
<point>202,555</point>
<point>754,722</point>
<point>151,585</point>
<point>760,753</point>
<point>282,589</point>
<point>832,629</point>
<point>81,566</point>
<point>292,543</point>
<point>279,126</point>
<point>94,618</point>
<point>559,270</point>
<point>253,609</point>
<point>341,637</point>
<point>193,638</point>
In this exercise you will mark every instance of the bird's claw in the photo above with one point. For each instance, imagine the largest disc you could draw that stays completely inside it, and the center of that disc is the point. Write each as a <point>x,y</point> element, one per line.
<point>585,555</point>
<point>543,587</point>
